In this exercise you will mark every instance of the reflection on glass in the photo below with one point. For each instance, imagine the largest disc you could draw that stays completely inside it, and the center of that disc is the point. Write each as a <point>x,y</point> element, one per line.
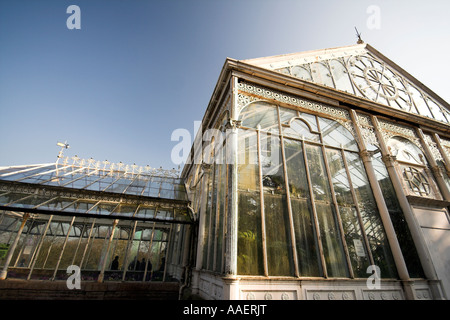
<point>305,234</point>
<point>374,229</point>
<point>250,256</point>
<point>278,242</point>
<point>329,232</point>
<point>260,115</point>
<point>299,129</point>
<point>340,76</point>
<point>336,135</point>
<point>348,214</point>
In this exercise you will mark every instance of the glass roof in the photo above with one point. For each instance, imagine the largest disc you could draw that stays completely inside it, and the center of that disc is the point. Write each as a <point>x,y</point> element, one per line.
<point>141,183</point>
<point>361,71</point>
<point>161,194</point>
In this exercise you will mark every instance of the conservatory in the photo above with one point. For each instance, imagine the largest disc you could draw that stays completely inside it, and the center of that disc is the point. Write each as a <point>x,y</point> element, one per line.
<point>113,222</point>
<point>320,175</point>
<point>324,175</point>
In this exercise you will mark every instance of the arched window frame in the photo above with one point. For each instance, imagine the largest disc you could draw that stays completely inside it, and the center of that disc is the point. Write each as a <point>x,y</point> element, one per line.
<point>416,175</point>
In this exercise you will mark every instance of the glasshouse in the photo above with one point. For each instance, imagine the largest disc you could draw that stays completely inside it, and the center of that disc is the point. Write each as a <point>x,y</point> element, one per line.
<point>318,175</point>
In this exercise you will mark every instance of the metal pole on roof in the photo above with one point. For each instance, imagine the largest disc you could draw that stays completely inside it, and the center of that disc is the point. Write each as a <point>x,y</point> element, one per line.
<point>63,146</point>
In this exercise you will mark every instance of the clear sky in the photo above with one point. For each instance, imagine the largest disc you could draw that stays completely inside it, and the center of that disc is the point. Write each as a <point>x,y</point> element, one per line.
<point>137,70</point>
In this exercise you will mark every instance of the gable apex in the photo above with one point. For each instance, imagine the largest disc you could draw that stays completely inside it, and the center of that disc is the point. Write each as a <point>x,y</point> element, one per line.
<point>360,70</point>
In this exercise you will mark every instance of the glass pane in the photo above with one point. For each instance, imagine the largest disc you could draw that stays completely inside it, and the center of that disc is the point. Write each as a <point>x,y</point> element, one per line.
<point>348,213</point>
<point>207,230</point>
<point>302,73</point>
<point>300,130</point>
<point>286,115</point>
<point>371,219</point>
<point>278,242</point>
<point>138,186</point>
<point>221,214</point>
<point>339,177</point>
<point>336,135</point>
<point>260,114</point>
<point>419,102</point>
<point>213,219</point>
<point>437,111</point>
<point>329,232</point>
<point>305,234</point>
<point>321,74</point>
<point>250,256</point>
<point>340,75</point>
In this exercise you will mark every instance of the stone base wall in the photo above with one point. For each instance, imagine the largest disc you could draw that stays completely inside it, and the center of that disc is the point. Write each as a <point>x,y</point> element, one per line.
<point>49,290</point>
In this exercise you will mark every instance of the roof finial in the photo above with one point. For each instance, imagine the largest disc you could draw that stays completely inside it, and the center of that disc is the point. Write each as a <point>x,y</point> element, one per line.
<point>63,146</point>
<point>358,34</point>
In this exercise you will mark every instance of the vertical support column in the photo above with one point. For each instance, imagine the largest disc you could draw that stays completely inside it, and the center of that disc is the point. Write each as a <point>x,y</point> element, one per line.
<point>12,248</point>
<point>105,260</point>
<point>168,248</point>
<point>288,199</point>
<point>127,253</point>
<point>261,201</point>
<point>232,189</point>
<point>36,255</point>
<point>383,210</point>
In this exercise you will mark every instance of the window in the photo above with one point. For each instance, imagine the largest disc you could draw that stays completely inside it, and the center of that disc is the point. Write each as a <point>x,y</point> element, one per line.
<point>305,205</point>
<point>413,167</point>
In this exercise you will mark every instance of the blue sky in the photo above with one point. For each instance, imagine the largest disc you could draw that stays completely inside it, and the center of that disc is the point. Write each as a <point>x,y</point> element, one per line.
<point>137,70</point>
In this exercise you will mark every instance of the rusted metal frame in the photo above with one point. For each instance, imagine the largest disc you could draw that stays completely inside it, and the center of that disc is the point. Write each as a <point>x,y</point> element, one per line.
<point>41,241</point>
<point>63,248</point>
<point>105,260</point>
<point>315,216</point>
<point>149,254</point>
<point>88,245</point>
<point>168,247</point>
<point>78,244</point>
<point>261,200</point>
<point>288,199</point>
<point>12,248</point>
<point>24,241</point>
<point>127,251</point>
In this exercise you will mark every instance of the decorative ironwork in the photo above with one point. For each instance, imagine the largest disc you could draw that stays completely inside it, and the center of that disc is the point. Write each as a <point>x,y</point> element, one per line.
<point>417,182</point>
<point>362,73</point>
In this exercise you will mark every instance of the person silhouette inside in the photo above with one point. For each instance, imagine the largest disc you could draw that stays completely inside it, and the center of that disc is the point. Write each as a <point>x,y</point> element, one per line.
<point>115,263</point>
